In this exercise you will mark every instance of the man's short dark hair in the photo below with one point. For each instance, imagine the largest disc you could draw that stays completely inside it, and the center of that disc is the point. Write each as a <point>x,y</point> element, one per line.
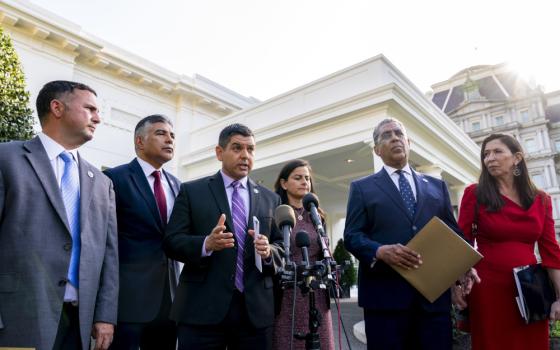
<point>143,124</point>
<point>54,90</point>
<point>231,130</point>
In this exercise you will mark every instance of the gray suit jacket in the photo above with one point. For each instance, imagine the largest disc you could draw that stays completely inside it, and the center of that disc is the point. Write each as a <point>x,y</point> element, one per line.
<point>35,247</point>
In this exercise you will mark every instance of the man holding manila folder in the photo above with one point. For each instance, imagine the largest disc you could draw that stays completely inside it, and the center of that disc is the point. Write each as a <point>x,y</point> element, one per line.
<point>385,211</point>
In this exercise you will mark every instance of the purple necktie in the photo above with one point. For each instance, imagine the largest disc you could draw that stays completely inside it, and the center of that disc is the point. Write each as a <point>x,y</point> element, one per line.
<point>159,193</point>
<point>239,216</point>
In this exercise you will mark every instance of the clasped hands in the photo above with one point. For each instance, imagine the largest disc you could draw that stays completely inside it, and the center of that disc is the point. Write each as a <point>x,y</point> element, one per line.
<point>218,239</point>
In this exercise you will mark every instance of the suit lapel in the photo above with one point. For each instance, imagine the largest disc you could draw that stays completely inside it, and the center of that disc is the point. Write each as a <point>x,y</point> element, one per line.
<point>40,163</point>
<point>173,183</point>
<point>254,198</point>
<point>141,182</point>
<point>87,181</point>
<point>216,185</point>
<point>384,182</point>
<point>420,183</point>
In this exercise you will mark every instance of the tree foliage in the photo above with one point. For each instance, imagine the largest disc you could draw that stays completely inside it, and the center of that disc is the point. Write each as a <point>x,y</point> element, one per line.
<point>341,255</point>
<point>16,119</point>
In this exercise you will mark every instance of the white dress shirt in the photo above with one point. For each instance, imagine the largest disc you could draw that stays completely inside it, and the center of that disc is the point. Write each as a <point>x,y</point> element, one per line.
<point>407,174</point>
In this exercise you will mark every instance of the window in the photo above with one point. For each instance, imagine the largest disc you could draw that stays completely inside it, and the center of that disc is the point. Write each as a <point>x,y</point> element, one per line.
<point>557,145</point>
<point>538,180</point>
<point>475,126</point>
<point>498,120</point>
<point>530,145</point>
<point>524,115</point>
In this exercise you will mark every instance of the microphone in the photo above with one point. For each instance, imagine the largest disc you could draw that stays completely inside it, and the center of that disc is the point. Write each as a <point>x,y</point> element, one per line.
<point>311,203</point>
<point>302,241</point>
<point>285,219</point>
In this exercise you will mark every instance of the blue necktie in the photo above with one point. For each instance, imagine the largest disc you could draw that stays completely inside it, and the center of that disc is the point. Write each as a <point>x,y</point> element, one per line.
<point>70,189</point>
<point>406,193</point>
<point>239,215</point>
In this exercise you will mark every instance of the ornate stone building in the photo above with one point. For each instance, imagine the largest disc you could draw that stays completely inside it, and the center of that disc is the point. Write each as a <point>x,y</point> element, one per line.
<point>493,99</point>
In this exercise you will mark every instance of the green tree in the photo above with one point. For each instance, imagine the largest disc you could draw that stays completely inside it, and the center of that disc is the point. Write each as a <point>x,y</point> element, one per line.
<point>16,119</point>
<point>342,257</point>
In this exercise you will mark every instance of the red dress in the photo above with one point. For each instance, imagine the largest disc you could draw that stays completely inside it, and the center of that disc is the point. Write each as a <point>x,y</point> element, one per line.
<point>507,239</point>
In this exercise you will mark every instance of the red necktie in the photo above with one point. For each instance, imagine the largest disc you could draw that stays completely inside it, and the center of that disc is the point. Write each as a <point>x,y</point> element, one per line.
<point>160,196</point>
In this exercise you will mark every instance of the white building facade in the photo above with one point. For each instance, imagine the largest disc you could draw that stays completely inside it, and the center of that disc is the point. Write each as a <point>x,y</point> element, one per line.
<point>328,121</point>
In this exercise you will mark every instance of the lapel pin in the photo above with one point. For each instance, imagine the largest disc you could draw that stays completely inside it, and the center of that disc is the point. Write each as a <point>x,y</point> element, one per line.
<point>424,180</point>
<point>255,190</point>
<point>90,174</point>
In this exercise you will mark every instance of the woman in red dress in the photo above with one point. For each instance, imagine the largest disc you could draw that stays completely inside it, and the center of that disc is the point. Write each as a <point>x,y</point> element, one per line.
<point>512,215</point>
<point>293,183</point>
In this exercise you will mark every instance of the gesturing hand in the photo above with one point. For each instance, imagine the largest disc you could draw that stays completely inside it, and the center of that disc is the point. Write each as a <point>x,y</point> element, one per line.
<point>218,239</point>
<point>399,255</point>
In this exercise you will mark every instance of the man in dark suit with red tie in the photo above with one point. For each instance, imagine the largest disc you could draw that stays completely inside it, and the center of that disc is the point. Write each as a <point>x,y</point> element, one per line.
<point>145,194</point>
<point>223,300</point>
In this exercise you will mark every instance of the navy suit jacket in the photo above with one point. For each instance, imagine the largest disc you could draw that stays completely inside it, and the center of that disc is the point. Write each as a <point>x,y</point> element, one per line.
<point>376,216</point>
<point>143,265</point>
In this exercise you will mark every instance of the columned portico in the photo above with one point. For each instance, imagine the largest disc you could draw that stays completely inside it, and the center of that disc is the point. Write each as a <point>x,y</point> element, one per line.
<point>330,122</point>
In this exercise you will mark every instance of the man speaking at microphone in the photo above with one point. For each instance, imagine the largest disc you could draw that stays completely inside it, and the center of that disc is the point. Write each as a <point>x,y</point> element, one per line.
<point>223,300</point>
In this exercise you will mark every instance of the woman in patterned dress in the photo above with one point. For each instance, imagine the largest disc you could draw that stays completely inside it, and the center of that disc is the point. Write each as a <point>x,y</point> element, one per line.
<point>292,184</point>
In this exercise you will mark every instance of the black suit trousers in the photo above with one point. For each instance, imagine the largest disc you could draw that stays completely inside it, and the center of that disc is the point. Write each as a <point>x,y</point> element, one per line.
<point>410,329</point>
<point>68,334</point>
<point>235,333</point>
<point>159,334</point>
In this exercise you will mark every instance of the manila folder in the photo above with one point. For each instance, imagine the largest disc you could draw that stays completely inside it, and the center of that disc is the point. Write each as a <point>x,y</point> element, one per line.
<point>445,258</point>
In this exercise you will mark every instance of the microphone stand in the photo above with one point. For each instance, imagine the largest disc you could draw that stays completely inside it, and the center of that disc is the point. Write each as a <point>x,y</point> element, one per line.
<point>312,341</point>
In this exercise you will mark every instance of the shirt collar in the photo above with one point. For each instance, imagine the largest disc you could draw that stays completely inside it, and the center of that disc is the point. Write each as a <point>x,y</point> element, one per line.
<point>390,170</point>
<point>228,180</point>
<point>54,149</point>
<point>147,168</point>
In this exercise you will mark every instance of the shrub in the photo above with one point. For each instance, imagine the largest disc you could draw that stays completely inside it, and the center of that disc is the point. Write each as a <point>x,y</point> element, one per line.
<point>16,119</point>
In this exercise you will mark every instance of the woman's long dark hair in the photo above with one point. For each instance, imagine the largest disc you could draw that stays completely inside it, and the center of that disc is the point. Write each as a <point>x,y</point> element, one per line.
<point>285,174</point>
<point>488,192</point>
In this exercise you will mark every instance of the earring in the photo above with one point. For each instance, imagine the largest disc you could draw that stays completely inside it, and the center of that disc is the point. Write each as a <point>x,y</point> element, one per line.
<point>516,170</point>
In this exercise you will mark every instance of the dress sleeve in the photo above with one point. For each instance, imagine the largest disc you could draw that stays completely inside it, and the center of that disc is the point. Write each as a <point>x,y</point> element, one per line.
<point>466,212</point>
<point>548,245</point>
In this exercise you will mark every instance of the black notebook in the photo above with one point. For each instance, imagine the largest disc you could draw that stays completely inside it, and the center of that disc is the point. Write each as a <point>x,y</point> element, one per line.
<point>535,293</point>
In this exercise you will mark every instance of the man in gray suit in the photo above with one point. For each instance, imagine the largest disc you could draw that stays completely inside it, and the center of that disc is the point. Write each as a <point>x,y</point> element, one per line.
<point>58,234</point>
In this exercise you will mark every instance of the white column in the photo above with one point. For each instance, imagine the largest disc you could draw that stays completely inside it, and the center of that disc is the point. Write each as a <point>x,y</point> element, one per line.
<point>456,194</point>
<point>377,161</point>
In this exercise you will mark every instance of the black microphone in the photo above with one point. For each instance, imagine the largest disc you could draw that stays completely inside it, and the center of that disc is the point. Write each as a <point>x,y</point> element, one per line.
<point>302,241</point>
<point>311,203</point>
<point>285,219</point>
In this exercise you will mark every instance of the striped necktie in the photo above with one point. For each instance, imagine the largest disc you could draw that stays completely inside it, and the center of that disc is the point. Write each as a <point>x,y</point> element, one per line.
<point>239,215</point>
<point>70,189</point>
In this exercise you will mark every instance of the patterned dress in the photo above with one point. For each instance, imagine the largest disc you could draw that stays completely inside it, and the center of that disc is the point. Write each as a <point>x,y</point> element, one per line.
<point>283,322</point>
<point>507,239</point>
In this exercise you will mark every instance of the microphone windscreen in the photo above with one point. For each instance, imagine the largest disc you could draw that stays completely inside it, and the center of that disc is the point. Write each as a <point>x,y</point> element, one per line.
<point>308,199</point>
<point>284,215</point>
<point>302,239</point>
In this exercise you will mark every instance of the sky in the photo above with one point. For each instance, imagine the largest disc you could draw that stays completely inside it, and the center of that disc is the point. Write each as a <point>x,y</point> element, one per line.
<point>263,48</point>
